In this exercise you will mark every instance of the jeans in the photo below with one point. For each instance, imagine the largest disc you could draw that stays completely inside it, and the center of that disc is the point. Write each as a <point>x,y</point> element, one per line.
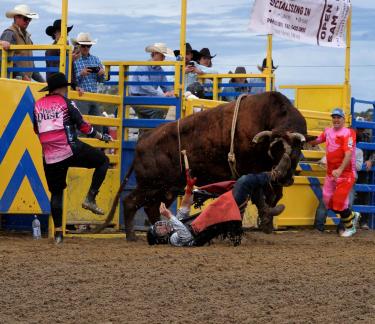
<point>149,113</point>
<point>247,185</point>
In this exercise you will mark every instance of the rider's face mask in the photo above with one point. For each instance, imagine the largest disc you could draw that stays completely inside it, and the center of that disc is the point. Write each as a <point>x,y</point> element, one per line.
<point>162,229</point>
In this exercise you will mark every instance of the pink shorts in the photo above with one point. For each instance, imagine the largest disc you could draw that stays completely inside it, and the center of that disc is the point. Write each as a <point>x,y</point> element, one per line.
<point>336,192</point>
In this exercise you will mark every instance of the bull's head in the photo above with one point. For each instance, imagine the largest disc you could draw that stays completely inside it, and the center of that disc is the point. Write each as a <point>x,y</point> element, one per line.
<point>289,143</point>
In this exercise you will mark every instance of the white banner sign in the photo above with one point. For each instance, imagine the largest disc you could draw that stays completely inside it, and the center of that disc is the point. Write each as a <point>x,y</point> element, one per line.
<point>320,22</point>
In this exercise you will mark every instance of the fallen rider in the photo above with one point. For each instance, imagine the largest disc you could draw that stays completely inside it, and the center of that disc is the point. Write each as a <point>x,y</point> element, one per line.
<point>222,217</point>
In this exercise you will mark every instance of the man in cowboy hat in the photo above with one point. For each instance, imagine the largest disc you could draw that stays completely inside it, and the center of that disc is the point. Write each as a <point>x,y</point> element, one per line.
<point>17,35</point>
<point>235,91</point>
<point>191,66</point>
<point>54,31</point>
<point>205,66</point>
<point>158,52</point>
<point>56,120</point>
<point>88,71</point>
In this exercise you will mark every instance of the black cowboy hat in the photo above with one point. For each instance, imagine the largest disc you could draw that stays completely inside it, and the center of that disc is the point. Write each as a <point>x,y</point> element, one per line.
<point>264,65</point>
<point>205,52</point>
<point>50,30</point>
<point>188,49</point>
<point>56,81</point>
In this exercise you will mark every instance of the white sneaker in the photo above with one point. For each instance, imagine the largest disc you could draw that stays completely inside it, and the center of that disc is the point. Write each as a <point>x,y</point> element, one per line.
<point>357,217</point>
<point>349,232</point>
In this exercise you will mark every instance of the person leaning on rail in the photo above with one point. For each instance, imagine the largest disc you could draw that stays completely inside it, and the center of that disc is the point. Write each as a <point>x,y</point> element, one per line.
<point>56,120</point>
<point>158,53</point>
<point>17,34</point>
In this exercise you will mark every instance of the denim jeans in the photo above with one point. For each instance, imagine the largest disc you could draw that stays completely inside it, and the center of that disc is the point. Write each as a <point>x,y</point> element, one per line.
<point>247,185</point>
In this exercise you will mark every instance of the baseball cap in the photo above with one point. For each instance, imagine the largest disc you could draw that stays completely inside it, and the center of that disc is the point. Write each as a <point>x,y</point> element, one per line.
<point>338,112</point>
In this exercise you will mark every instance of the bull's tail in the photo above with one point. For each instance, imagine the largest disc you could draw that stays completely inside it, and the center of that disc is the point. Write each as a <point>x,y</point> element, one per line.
<point>111,213</point>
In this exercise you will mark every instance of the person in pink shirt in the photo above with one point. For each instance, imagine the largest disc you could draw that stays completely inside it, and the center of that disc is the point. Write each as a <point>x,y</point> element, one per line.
<point>56,121</point>
<point>341,174</point>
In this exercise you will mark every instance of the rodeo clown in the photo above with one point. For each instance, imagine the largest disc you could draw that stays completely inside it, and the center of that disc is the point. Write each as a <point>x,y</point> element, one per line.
<point>222,217</point>
<point>55,122</point>
<point>341,172</point>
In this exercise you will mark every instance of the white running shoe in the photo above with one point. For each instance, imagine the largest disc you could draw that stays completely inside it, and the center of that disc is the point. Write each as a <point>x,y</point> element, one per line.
<point>357,217</point>
<point>349,232</point>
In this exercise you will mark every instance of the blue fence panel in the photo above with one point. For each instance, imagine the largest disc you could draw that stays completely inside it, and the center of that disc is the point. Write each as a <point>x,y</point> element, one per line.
<point>370,146</point>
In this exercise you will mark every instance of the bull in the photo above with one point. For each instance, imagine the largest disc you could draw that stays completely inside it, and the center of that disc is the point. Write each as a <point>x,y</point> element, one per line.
<point>266,128</point>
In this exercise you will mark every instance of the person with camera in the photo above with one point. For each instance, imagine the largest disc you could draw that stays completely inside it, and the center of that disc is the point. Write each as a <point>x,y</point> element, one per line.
<point>56,121</point>
<point>88,71</point>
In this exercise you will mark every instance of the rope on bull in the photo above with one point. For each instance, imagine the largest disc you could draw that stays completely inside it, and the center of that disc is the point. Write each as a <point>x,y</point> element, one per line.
<point>231,154</point>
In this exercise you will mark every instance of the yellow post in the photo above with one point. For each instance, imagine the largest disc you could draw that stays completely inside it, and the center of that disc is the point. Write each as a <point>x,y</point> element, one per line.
<point>347,90</point>
<point>182,47</point>
<point>269,63</point>
<point>4,63</point>
<point>215,89</point>
<point>63,38</point>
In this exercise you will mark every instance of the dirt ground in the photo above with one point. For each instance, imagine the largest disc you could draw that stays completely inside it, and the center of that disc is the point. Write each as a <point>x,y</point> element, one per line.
<point>290,277</point>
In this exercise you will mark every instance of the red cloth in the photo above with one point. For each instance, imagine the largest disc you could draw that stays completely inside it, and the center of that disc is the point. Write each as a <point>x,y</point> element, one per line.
<point>223,209</point>
<point>219,187</point>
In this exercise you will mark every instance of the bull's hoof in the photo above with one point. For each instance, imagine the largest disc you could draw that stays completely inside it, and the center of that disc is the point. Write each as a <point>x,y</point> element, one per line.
<point>131,237</point>
<point>266,226</point>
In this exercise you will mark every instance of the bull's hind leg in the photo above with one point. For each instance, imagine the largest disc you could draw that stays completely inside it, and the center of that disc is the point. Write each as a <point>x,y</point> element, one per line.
<point>131,203</point>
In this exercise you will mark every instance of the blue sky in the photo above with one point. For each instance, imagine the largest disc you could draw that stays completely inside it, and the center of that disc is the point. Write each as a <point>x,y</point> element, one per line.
<point>124,27</point>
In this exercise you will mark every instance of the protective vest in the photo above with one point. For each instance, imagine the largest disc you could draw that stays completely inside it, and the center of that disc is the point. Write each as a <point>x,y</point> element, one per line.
<point>22,39</point>
<point>51,120</point>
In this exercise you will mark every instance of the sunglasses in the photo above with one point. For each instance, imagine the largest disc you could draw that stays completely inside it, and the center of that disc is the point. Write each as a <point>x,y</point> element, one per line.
<point>25,19</point>
<point>86,46</point>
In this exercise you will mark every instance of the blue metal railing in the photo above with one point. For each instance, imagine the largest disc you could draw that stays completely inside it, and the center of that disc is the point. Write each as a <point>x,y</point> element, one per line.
<point>368,146</point>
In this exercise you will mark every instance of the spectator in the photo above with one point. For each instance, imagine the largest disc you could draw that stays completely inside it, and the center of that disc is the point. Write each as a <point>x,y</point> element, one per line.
<point>205,66</point>
<point>56,120</point>
<point>363,198</point>
<point>88,71</point>
<point>54,31</point>
<point>17,34</point>
<point>239,89</point>
<point>158,52</point>
<point>340,178</point>
<point>261,89</point>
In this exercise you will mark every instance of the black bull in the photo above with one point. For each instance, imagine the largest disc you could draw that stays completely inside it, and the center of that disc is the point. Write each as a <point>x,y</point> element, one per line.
<point>206,137</point>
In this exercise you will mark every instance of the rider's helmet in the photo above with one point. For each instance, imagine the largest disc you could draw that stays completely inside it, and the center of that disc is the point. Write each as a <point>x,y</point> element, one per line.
<point>159,233</point>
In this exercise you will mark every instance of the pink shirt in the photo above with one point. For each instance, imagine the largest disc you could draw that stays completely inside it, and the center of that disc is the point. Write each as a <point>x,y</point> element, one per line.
<point>338,142</point>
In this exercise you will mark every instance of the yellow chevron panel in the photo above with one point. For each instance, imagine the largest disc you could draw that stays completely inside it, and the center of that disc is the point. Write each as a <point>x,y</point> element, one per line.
<point>25,202</point>
<point>25,139</point>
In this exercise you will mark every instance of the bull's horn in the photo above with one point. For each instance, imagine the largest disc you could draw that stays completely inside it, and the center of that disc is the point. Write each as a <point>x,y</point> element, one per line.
<point>298,136</point>
<point>261,134</point>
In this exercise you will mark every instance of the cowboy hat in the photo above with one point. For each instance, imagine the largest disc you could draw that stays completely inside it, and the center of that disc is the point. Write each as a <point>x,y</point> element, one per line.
<point>50,30</point>
<point>21,10</point>
<point>264,65</point>
<point>159,48</point>
<point>84,39</point>
<point>56,81</point>
<point>205,52</point>
<point>189,49</point>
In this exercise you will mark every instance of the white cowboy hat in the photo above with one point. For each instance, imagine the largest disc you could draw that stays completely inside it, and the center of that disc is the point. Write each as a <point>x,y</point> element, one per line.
<point>159,48</point>
<point>83,39</point>
<point>21,10</point>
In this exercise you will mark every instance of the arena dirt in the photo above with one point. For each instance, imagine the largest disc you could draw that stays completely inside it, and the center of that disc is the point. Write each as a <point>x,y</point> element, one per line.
<point>293,277</point>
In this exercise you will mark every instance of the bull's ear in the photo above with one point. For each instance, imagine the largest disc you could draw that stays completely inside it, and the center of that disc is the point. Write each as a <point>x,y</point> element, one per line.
<point>310,138</point>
